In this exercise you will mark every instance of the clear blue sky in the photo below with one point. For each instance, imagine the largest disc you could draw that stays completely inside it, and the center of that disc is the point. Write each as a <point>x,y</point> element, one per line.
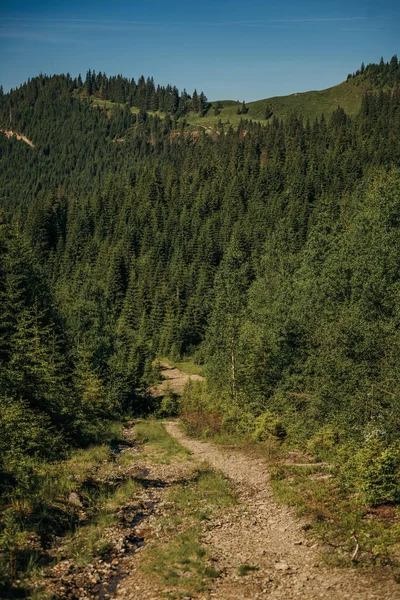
<point>230,49</point>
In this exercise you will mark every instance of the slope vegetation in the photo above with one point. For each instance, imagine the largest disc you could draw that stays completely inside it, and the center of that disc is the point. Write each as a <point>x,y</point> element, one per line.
<point>311,105</point>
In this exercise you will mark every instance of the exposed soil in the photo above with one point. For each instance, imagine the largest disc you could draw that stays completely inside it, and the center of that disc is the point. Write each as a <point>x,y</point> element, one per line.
<point>9,133</point>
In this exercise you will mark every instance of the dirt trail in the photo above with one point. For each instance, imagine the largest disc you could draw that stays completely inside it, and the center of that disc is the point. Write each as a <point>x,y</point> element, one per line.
<point>268,536</point>
<point>9,133</point>
<point>174,379</point>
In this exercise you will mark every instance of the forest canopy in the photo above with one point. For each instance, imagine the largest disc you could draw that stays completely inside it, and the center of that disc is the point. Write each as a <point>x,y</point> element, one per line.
<point>268,252</point>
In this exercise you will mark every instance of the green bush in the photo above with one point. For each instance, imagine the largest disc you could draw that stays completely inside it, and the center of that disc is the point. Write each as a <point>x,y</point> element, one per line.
<point>267,426</point>
<point>378,468</point>
<point>26,432</point>
<point>169,406</point>
<point>236,419</point>
<point>324,441</point>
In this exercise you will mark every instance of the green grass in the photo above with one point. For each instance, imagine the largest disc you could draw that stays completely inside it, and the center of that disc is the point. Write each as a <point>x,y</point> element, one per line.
<point>203,494</point>
<point>126,458</point>
<point>340,519</point>
<point>109,105</point>
<point>187,366</point>
<point>91,541</point>
<point>311,104</point>
<point>87,543</point>
<point>41,509</point>
<point>180,561</point>
<point>153,433</point>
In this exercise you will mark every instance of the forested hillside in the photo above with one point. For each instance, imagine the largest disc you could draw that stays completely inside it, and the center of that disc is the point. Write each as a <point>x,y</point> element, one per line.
<point>269,253</point>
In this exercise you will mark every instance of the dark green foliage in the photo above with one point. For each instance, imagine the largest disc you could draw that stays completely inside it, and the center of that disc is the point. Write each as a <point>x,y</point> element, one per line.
<point>268,112</point>
<point>242,110</point>
<point>382,74</point>
<point>271,251</point>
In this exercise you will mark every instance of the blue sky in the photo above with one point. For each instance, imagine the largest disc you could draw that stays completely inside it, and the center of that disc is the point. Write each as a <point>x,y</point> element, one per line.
<point>240,50</point>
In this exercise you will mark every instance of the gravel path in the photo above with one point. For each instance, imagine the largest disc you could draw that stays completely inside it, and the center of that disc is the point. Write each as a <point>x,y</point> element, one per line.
<point>265,535</point>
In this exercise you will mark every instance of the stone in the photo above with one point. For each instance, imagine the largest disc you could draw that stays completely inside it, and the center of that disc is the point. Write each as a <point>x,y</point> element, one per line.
<point>281,566</point>
<point>74,499</point>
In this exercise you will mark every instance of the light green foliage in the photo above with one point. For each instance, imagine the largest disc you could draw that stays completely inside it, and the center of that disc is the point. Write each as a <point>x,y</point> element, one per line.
<point>199,411</point>
<point>169,405</point>
<point>267,426</point>
<point>236,418</point>
<point>324,443</point>
<point>375,468</point>
<point>224,329</point>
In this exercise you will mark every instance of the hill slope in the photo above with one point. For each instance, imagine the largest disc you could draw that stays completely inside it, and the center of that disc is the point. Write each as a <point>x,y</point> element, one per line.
<point>311,105</point>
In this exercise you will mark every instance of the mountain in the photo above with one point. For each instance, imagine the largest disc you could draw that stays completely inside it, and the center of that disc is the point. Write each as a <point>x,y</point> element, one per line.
<point>268,253</point>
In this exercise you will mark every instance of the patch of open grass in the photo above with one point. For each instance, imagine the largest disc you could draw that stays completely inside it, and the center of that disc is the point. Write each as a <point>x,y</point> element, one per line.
<point>190,368</point>
<point>153,432</point>
<point>203,494</point>
<point>183,563</point>
<point>109,105</point>
<point>124,459</point>
<point>122,494</point>
<point>187,366</point>
<point>82,462</point>
<point>180,560</point>
<point>311,105</point>
<point>87,543</point>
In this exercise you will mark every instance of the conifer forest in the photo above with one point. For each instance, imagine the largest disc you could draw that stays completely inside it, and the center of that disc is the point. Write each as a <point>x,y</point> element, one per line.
<point>264,252</point>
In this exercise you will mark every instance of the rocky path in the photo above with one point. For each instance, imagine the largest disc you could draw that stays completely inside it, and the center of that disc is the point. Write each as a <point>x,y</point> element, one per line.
<point>268,537</point>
